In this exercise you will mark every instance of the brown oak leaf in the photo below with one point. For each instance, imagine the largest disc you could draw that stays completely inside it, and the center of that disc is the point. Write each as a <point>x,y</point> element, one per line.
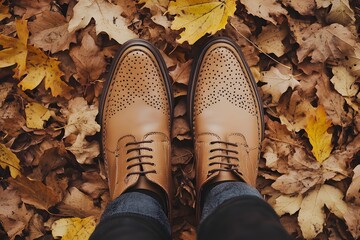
<point>49,32</point>
<point>326,43</point>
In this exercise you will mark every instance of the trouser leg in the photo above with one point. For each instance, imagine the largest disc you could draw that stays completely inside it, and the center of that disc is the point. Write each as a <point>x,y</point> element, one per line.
<point>234,210</point>
<point>133,216</point>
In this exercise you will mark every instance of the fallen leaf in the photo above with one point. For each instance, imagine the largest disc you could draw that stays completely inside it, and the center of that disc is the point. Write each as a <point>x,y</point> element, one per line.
<point>35,193</point>
<point>312,216</point>
<point>36,115</point>
<point>344,82</point>
<point>320,139</point>
<point>36,227</point>
<point>266,9</point>
<point>287,204</point>
<point>352,61</point>
<point>15,49</point>
<point>49,31</point>
<point>332,101</point>
<point>84,151</point>
<point>27,9</point>
<point>14,216</point>
<point>199,17</point>
<point>277,83</point>
<point>340,12</point>
<point>352,219</point>
<point>304,7</point>
<point>89,60</point>
<point>294,112</point>
<point>181,74</point>
<point>322,3</point>
<point>180,127</point>
<point>353,192</point>
<point>298,181</point>
<point>5,89</point>
<point>73,228</point>
<point>9,159</point>
<point>76,203</point>
<point>94,185</point>
<point>4,11</point>
<point>107,17</point>
<point>270,39</point>
<point>327,43</point>
<point>81,118</point>
<point>41,67</point>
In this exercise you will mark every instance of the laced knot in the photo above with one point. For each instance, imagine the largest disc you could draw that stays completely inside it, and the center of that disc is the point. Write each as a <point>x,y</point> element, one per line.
<point>224,152</point>
<point>140,157</point>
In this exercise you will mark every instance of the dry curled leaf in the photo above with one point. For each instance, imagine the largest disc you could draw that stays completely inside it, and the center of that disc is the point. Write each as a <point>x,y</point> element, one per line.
<point>73,228</point>
<point>199,17</point>
<point>287,204</point>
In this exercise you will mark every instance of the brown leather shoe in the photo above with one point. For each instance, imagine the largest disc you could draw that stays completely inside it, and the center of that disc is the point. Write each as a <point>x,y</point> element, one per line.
<point>135,117</point>
<point>226,116</point>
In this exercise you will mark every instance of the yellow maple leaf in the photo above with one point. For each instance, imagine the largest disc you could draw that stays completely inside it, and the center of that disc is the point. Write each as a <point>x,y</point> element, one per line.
<point>36,114</point>
<point>15,49</point>
<point>4,11</point>
<point>39,67</point>
<point>320,139</point>
<point>9,159</point>
<point>199,17</point>
<point>73,228</point>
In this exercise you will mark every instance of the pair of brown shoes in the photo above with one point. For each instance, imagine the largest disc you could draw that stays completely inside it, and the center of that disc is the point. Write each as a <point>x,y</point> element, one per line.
<point>225,115</point>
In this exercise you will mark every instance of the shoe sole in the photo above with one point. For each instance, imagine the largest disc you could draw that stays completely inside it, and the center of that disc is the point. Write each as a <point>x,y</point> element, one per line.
<point>195,71</point>
<point>163,69</point>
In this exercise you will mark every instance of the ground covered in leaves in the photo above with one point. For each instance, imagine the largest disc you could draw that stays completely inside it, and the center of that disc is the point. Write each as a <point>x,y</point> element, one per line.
<point>54,59</point>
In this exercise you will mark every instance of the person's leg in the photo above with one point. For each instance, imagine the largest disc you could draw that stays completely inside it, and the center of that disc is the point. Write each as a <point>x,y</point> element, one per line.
<point>234,210</point>
<point>135,116</point>
<point>226,117</point>
<point>134,215</point>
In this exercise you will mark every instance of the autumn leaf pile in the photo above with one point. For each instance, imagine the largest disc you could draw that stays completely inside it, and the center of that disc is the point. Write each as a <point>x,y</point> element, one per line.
<point>54,60</point>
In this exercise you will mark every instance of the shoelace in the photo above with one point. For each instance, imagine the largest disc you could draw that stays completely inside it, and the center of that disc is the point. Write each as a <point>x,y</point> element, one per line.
<point>227,166</point>
<point>139,157</point>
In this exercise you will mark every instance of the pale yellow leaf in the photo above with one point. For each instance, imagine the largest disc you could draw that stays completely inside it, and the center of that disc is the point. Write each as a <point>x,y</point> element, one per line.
<point>270,39</point>
<point>9,159</point>
<point>287,204</point>
<point>73,228</point>
<point>320,139</point>
<point>107,18</point>
<point>36,115</point>
<point>199,17</point>
<point>344,82</point>
<point>277,83</point>
<point>311,216</point>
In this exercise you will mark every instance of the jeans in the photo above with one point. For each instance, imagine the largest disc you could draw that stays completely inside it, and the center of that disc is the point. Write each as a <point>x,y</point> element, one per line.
<point>231,210</point>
